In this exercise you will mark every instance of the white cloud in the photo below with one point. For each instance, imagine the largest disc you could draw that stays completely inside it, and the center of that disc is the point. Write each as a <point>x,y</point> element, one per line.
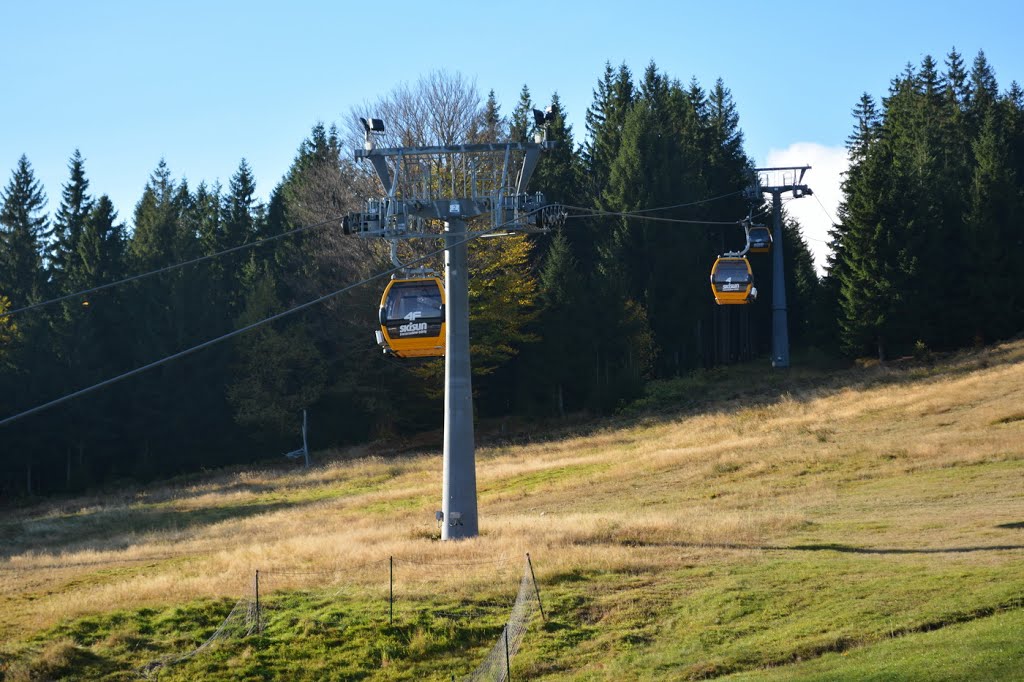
<point>827,164</point>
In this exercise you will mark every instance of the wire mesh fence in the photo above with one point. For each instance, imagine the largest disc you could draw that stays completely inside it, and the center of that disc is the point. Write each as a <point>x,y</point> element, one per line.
<point>497,665</point>
<point>240,622</point>
<point>251,613</point>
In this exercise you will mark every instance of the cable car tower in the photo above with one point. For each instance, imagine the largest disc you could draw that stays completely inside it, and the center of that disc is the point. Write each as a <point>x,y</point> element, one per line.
<point>430,193</point>
<point>776,181</point>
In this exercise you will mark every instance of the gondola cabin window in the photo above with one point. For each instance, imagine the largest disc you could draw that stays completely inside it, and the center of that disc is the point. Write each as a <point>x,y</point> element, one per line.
<point>732,276</point>
<point>414,301</point>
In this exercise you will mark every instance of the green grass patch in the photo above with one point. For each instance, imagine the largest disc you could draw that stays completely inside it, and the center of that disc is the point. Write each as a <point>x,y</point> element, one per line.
<point>310,635</point>
<point>988,648</point>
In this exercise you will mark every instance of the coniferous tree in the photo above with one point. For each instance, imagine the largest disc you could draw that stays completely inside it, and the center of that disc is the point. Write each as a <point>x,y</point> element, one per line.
<point>23,280</point>
<point>156,215</point>
<point>23,233</point>
<point>267,396</point>
<point>70,218</point>
<point>93,346</point>
<point>72,345</point>
<point>558,176</point>
<point>606,118</point>
<point>240,211</point>
<point>595,116</point>
<point>522,125</point>
<point>984,88</point>
<point>995,213</point>
<point>931,187</point>
<point>240,218</point>
<point>492,126</point>
<point>560,376</point>
<point>558,172</point>
<point>164,323</point>
<point>871,277</point>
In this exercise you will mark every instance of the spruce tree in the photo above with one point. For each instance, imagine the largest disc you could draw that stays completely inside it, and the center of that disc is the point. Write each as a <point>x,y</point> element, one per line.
<point>606,119</point>
<point>154,237</point>
<point>865,130</point>
<point>23,234</point>
<point>492,126</point>
<point>985,89</point>
<point>33,376</point>
<point>522,125</point>
<point>94,346</point>
<point>867,290</point>
<point>932,184</point>
<point>560,376</point>
<point>278,371</point>
<point>994,217</point>
<point>239,208</point>
<point>69,220</point>
<point>241,214</point>
<point>958,87</point>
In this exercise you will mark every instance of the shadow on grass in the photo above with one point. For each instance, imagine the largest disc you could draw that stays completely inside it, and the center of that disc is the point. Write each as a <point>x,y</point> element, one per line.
<point>827,547</point>
<point>116,528</point>
<point>836,547</point>
<point>1015,524</point>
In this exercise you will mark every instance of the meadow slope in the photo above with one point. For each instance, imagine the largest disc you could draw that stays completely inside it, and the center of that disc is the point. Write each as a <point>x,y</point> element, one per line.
<point>854,524</point>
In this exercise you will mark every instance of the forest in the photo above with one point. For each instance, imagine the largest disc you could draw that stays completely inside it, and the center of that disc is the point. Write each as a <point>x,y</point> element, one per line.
<point>578,320</point>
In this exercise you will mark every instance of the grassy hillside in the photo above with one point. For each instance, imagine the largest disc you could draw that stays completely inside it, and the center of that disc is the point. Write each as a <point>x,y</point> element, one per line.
<point>855,524</point>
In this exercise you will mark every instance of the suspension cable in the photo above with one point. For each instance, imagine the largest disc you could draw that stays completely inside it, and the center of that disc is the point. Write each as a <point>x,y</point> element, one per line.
<point>168,268</point>
<point>241,330</point>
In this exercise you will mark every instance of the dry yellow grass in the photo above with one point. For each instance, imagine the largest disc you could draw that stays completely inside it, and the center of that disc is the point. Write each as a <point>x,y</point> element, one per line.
<point>799,468</point>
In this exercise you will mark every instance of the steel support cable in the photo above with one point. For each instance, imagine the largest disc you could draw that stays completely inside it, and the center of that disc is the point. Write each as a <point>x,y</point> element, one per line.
<point>597,213</point>
<point>168,268</point>
<point>674,206</point>
<point>827,214</point>
<point>237,332</point>
<point>691,203</point>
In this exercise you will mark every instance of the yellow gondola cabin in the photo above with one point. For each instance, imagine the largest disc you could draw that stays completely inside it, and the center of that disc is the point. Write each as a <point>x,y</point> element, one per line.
<point>412,317</point>
<point>732,281</point>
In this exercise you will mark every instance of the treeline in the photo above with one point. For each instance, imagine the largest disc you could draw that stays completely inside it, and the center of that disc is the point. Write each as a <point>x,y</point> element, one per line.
<point>575,320</point>
<point>928,252</point>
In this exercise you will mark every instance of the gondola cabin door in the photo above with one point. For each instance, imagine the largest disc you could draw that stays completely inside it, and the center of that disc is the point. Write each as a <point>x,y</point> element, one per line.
<point>412,317</point>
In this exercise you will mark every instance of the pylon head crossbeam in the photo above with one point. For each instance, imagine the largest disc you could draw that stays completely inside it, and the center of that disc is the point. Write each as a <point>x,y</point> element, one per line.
<point>427,186</point>
<point>782,179</point>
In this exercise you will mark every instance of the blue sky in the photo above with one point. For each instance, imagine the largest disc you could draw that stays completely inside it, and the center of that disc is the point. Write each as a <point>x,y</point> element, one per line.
<point>204,84</point>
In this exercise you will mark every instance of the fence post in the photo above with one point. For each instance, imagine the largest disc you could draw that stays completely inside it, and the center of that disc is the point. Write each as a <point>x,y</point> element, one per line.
<point>257,600</point>
<point>391,590</point>
<point>508,659</point>
<point>535,588</point>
